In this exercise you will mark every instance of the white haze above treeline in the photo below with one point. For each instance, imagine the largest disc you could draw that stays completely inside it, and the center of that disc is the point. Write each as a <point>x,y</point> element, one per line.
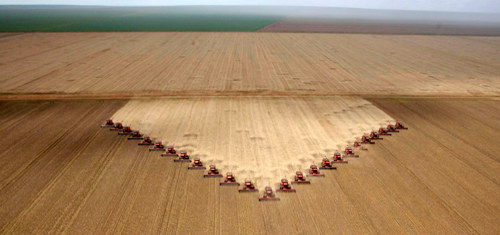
<point>414,5</point>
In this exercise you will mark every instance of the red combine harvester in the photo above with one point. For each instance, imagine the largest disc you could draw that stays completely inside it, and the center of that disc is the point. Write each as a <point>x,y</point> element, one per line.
<point>391,128</point>
<point>337,158</point>
<point>300,178</point>
<point>248,187</point>
<point>135,136</point>
<point>314,171</point>
<point>170,152</point>
<point>375,136</point>
<point>118,127</point>
<point>382,131</point>
<point>184,157</point>
<point>326,164</point>
<point>158,147</point>
<point>197,165</point>
<point>213,172</point>
<point>126,131</point>
<point>348,152</point>
<point>146,141</point>
<point>269,195</point>
<point>357,145</point>
<point>400,126</point>
<point>285,186</point>
<point>108,123</point>
<point>230,180</point>
<point>366,140</point>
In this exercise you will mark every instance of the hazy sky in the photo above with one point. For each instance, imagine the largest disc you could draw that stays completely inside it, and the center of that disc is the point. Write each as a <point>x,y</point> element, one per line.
<point>430,5</point>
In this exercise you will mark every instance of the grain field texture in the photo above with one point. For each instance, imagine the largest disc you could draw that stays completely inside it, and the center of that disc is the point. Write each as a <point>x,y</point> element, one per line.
<point>263,139</point>
<point>211,63</point>
<point>64,174</point>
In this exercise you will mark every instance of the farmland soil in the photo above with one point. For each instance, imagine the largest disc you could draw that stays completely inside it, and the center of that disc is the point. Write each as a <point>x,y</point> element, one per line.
<point>213,63</point>
<point>261,105</point>
<point>63,173</point>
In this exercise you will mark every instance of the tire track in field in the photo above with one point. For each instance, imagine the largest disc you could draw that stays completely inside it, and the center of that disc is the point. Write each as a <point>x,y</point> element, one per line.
<point>448,148</point>
<point>34,164</point>
<point>19,116</point>
<point>419,180</point>
<point>150,187</point>
<point>24,132</point>
<point>13,76</point>
<point>459,183</point>
<point>68,211</point>
<point>57,70</point>
<point>89,180</point>
<point>172,201</point>
<point>168,206</point>
<point>44,51</point>
<point>49,185</point>
<point>126,192</point>
<point>22,169</point>
<point>183,203</point>
<point>115,148</point>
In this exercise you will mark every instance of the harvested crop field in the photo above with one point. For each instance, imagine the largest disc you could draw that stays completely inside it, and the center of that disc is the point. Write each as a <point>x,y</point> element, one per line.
<point>264,139</point>
<point>72,176</point>
<point>166,63</point>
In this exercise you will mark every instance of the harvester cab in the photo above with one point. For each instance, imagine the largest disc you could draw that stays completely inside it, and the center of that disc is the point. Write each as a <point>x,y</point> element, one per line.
<point>400,126</point>
<point>108,123</point>
<point>269,195</point>
<point>125,131</point>
<point>357,145</point>
<point>382,131</point>
<point>337,155</point>
<point>230,180</point>
<point>349,152</point>
<point>300,178</point>
<point>366,140</point>
<point>314,171</point>
<point>136,135</point>
<point>337,158</point>
<point>374,136</point>
<point>326,164</point>
<point>285,186</point>
<point>197,164</point>
<point>146,141</point>
<point>170,149</point>
<point>212,172</point>
<point>118,126</point>
<point>158,147</point>
<point>171,152</point>
<point>391,128</point>
<point>184,157</point>
<point>248,187</point>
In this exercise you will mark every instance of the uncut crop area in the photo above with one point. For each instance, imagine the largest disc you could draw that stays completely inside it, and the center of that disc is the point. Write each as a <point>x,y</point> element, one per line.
<point>207,63</point>
<point>264,139</point>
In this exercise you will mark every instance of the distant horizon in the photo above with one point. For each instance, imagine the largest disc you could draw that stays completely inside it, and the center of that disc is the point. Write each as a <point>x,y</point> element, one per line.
<point>250,5</point>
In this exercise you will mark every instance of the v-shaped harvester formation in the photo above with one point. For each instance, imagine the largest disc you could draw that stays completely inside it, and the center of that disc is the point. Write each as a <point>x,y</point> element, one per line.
<point>248,186</point>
